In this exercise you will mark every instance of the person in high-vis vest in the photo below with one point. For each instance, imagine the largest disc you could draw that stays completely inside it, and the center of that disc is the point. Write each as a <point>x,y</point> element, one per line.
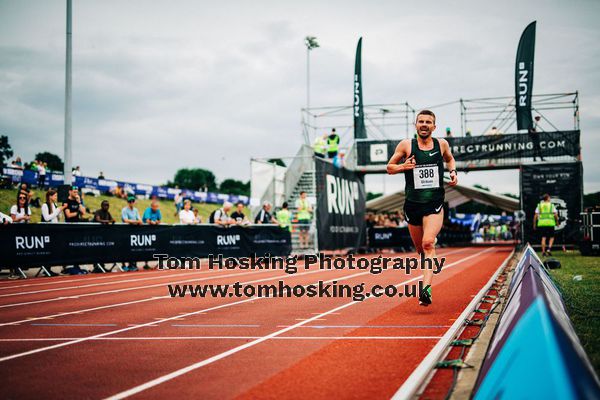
<point>421,160</point>
<point>303,213</point>
<point>320,146</point>
<point>545,221</point>
<point>333,144</point>
<point>284,217</point>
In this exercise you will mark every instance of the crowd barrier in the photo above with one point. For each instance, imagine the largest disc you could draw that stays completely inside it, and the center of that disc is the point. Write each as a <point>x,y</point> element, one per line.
<point>400,237</point>
<point>107,185</point>
<point>535,352</point>
<point>86,243</point>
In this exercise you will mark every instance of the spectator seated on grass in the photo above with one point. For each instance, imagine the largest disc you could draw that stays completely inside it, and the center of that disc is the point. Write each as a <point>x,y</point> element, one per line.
<point>102,215</point>
<point>197,218</point>
<point>152,214</point>
<point>20,212</point>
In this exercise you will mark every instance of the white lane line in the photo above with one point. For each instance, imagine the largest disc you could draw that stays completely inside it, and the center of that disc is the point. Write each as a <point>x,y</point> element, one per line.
<point>370,326</point>
<point>154,323</point>
<point>131,302</point>
<point>416,378</point>
<point>128,289</point>
<point>231,338</point>
<point>148,299</point>
<point>102,284</point>
<point>210,360</point>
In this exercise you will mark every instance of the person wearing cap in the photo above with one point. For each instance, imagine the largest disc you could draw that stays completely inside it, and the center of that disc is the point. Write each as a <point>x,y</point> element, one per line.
<point>448,132</point>
<point>130,215</point>
<point>74,209</point>
<point>264,215</point>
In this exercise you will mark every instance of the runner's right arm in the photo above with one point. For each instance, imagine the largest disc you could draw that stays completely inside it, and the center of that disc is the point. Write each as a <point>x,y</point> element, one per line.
<point>402,151</point>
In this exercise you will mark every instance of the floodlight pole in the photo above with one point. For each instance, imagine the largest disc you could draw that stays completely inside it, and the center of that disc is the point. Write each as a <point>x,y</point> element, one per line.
<point>68,84</point>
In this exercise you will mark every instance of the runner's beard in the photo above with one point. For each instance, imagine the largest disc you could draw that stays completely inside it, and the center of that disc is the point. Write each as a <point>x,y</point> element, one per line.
<point>424,134</point>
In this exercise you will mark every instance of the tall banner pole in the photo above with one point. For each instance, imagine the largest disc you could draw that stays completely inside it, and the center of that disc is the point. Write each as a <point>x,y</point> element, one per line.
<point>359,116</point>
<point>68,83</point>
<point>524,77</point>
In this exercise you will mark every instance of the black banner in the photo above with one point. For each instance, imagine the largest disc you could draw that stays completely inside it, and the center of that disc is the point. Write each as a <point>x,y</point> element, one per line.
<point>400,237</point>
<point>514,148</point>
<point>564,184</point>
<point>360,132</point>
<point>340,207</point>
<point>59,244</point>
<point>524,77</point>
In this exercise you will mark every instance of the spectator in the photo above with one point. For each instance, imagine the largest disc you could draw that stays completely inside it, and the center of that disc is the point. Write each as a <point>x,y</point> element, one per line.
<point>493,132</point>
<point>102,215</point>
<point>448,132</point>
<point>17,163</point>
<point>320,146</point>
<point>304,214</point>
<point>74,210</point>
<point>186,216</point>
<point>41,170</point>
<point>130,215</point>
<point>178,201</point>
<point>535,138</point>
<point>197,218</point>
<point>264,215</point>
<point>238,215</point>
<point>333,144</point>
<point>152,214</point>
<point>468,133</point>
<point>339,161</point>
<point>221,216</point>
<point>76,171</point>
<point>101,175</point>
<point>284,216</point>
<point>50,211</point>
<point>20,212</point>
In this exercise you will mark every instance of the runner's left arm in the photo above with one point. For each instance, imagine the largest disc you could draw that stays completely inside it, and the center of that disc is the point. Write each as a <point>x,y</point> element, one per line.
<point>449,158</point>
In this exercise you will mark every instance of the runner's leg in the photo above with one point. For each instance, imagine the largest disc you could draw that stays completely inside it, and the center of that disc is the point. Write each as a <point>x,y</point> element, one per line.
<point>416,234</point>
<point>432,224</point>
<point>543,245</point>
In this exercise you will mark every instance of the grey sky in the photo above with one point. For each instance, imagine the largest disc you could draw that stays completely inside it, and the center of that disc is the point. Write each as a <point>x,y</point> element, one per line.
<point>161,85</point>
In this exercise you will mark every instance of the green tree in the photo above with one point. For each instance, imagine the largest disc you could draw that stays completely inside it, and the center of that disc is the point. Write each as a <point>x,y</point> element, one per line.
<point>232,186</point>
<point>277,161</point>
<point>371,196</point>
<point>54,162</point>
<point>194,179</point>
<point>5,150</point>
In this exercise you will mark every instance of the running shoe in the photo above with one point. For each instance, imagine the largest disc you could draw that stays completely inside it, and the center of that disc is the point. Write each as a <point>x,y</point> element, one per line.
<point>13,276</point>
<point>549,253</point>
<point>425,296</point>
<point>132,268</point>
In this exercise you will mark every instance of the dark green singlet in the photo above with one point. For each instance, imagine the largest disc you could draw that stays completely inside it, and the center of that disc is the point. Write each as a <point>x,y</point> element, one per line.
<point>429,169</point>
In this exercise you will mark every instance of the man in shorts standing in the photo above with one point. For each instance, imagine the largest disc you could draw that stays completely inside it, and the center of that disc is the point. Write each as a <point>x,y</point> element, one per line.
<point>423,169</point>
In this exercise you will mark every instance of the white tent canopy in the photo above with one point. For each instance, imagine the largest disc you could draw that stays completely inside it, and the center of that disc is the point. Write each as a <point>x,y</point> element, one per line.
<point>455,196</point>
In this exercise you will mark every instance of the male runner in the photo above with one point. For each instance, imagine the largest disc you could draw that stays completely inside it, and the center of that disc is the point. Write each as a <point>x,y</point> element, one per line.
<point>423,169</point>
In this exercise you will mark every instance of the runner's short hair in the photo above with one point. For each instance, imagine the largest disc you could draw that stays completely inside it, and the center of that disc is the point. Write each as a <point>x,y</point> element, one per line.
<point>426,112</point>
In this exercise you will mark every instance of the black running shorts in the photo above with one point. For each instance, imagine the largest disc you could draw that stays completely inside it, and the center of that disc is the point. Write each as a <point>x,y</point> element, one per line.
<point>414,212</point>
<point>546,231</point>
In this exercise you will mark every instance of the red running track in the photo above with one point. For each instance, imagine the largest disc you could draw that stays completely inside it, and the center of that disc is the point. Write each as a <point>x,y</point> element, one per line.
<point>121,335</point>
